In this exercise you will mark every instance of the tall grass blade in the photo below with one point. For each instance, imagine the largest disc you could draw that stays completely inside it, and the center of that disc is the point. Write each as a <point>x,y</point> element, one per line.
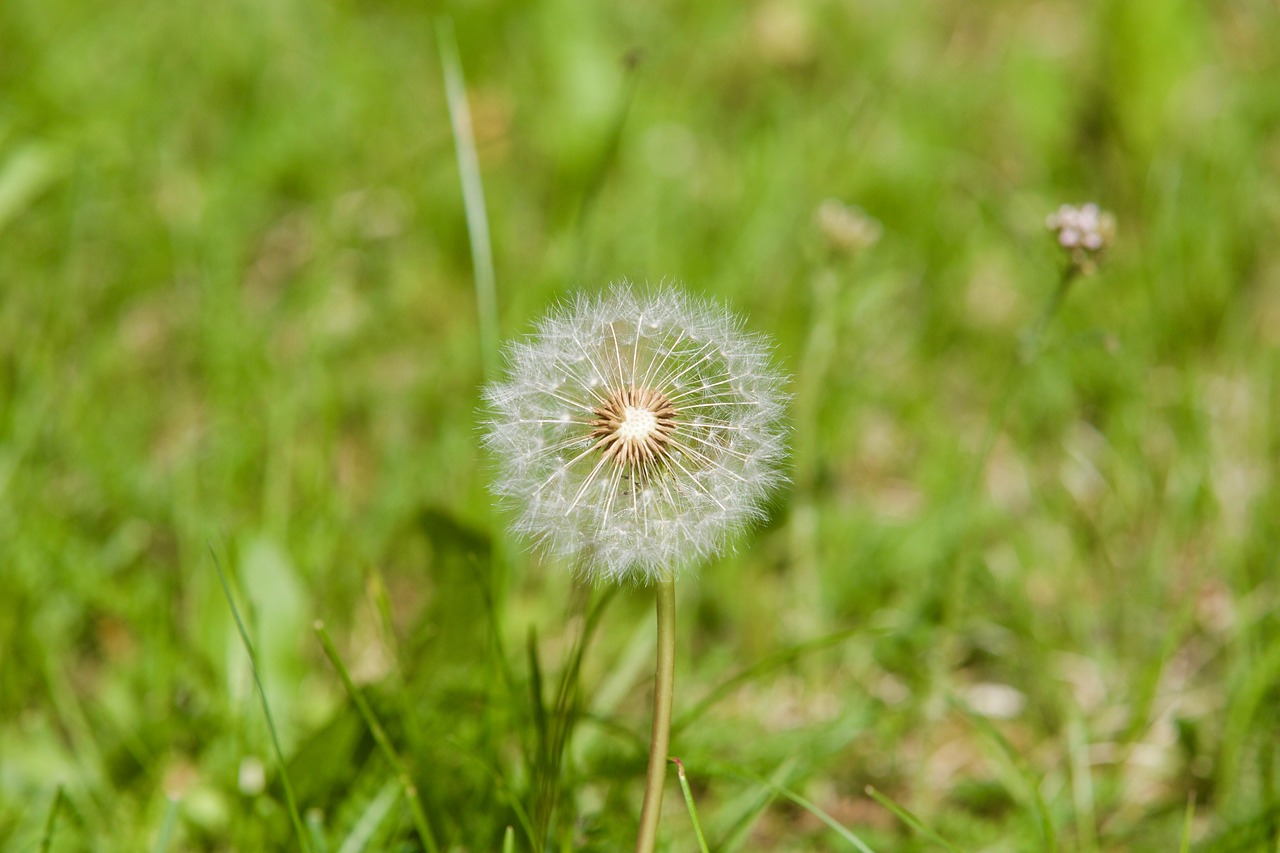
<point>371,818</point>
<point>688,802</point>
<point>758,668</point>
<point>596,179</point>
<point>455,90</point>
<point>315,827</point>
<point>756,802</point>
<point>535,685</point>
<point>1253,681</point>
<point>504,789</point>
<point>1261,832</point>
<point>46,838</point>
<point>809,806</point>
<point>304,840</point>
<point>556,727</point>
<point>1187,818</point>
<point>909,819</point>
<point>405,780</point>
<point>1015,759</point>
<point>167,824</point>
<point>27,173</point>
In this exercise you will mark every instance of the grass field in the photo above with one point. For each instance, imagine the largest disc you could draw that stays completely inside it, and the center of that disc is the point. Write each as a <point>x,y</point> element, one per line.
<point>1021,593</point>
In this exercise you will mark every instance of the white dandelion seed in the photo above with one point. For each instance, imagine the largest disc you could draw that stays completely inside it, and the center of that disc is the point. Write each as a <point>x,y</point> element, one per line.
<point>637,432</point>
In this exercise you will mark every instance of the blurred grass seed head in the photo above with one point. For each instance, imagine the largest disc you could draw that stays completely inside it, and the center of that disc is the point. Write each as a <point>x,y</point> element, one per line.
<point>635,433</point>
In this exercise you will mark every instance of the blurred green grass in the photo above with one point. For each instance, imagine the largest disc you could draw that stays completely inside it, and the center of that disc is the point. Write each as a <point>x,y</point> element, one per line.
<point>238,318</point>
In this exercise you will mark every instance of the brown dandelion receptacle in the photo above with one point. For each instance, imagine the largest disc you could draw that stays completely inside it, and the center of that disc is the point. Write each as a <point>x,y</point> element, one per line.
<point>634,428</point>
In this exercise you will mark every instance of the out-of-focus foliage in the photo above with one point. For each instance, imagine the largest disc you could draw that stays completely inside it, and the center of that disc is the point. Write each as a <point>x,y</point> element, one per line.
<point>238,327</point>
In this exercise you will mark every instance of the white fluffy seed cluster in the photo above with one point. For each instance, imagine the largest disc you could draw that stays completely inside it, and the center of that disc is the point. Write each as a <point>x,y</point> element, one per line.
<point>637,432</point>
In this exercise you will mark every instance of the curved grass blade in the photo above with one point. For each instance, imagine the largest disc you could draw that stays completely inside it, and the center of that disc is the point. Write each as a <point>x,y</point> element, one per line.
<point>304,840</point>
<point>455,89</point>
<point>370,820</point>
<point>46,838</point>
<point>600,171</point>
<point>760,667</point>
<point>1016,760</point>
<point>909,819</point>
<point>503,788</point>
<point>167,824</point>
<point>315,826</point>
<point>688,802</point>
<point>1185,845</point>
<point>756,801</point>
<point>809,806</point>
<point>556,728</point>
<point>407,785</point>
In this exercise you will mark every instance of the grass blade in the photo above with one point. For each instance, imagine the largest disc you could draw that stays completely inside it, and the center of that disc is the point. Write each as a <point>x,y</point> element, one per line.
<point>167,824</point>
<point>1082,786</point>
<point>756,802</point>
<point>599,173</point>
<point>1185,846</point>
<point>407,785</point>
<point>774,661</point>
<point>909,819</point>
<point>804,803</point>
<point>556,727</point>
<point>315,826</point>
<point>504,789</point>
<point>370,820</point>
<point>1015,759</point>
<point>455,90</point>
<point>688,802</point>
<point>304,841</point>
<point>46,838</point>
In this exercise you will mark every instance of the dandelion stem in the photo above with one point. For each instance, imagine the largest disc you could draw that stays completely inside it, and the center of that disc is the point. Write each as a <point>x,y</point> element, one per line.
<point>659,741</point>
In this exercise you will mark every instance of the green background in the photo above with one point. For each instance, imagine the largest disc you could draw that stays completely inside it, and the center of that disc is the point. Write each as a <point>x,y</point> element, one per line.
<point>1028,594</point>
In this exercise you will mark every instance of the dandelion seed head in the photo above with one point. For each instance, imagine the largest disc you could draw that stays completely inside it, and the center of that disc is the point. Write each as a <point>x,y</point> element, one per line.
<point>637,432</point>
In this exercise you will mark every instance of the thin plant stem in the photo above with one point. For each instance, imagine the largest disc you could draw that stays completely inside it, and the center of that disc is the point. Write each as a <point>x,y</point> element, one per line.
<point>1031,344</point>
<point>660,740</point>
<point>1016,373</point>
<point>811,379</point>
